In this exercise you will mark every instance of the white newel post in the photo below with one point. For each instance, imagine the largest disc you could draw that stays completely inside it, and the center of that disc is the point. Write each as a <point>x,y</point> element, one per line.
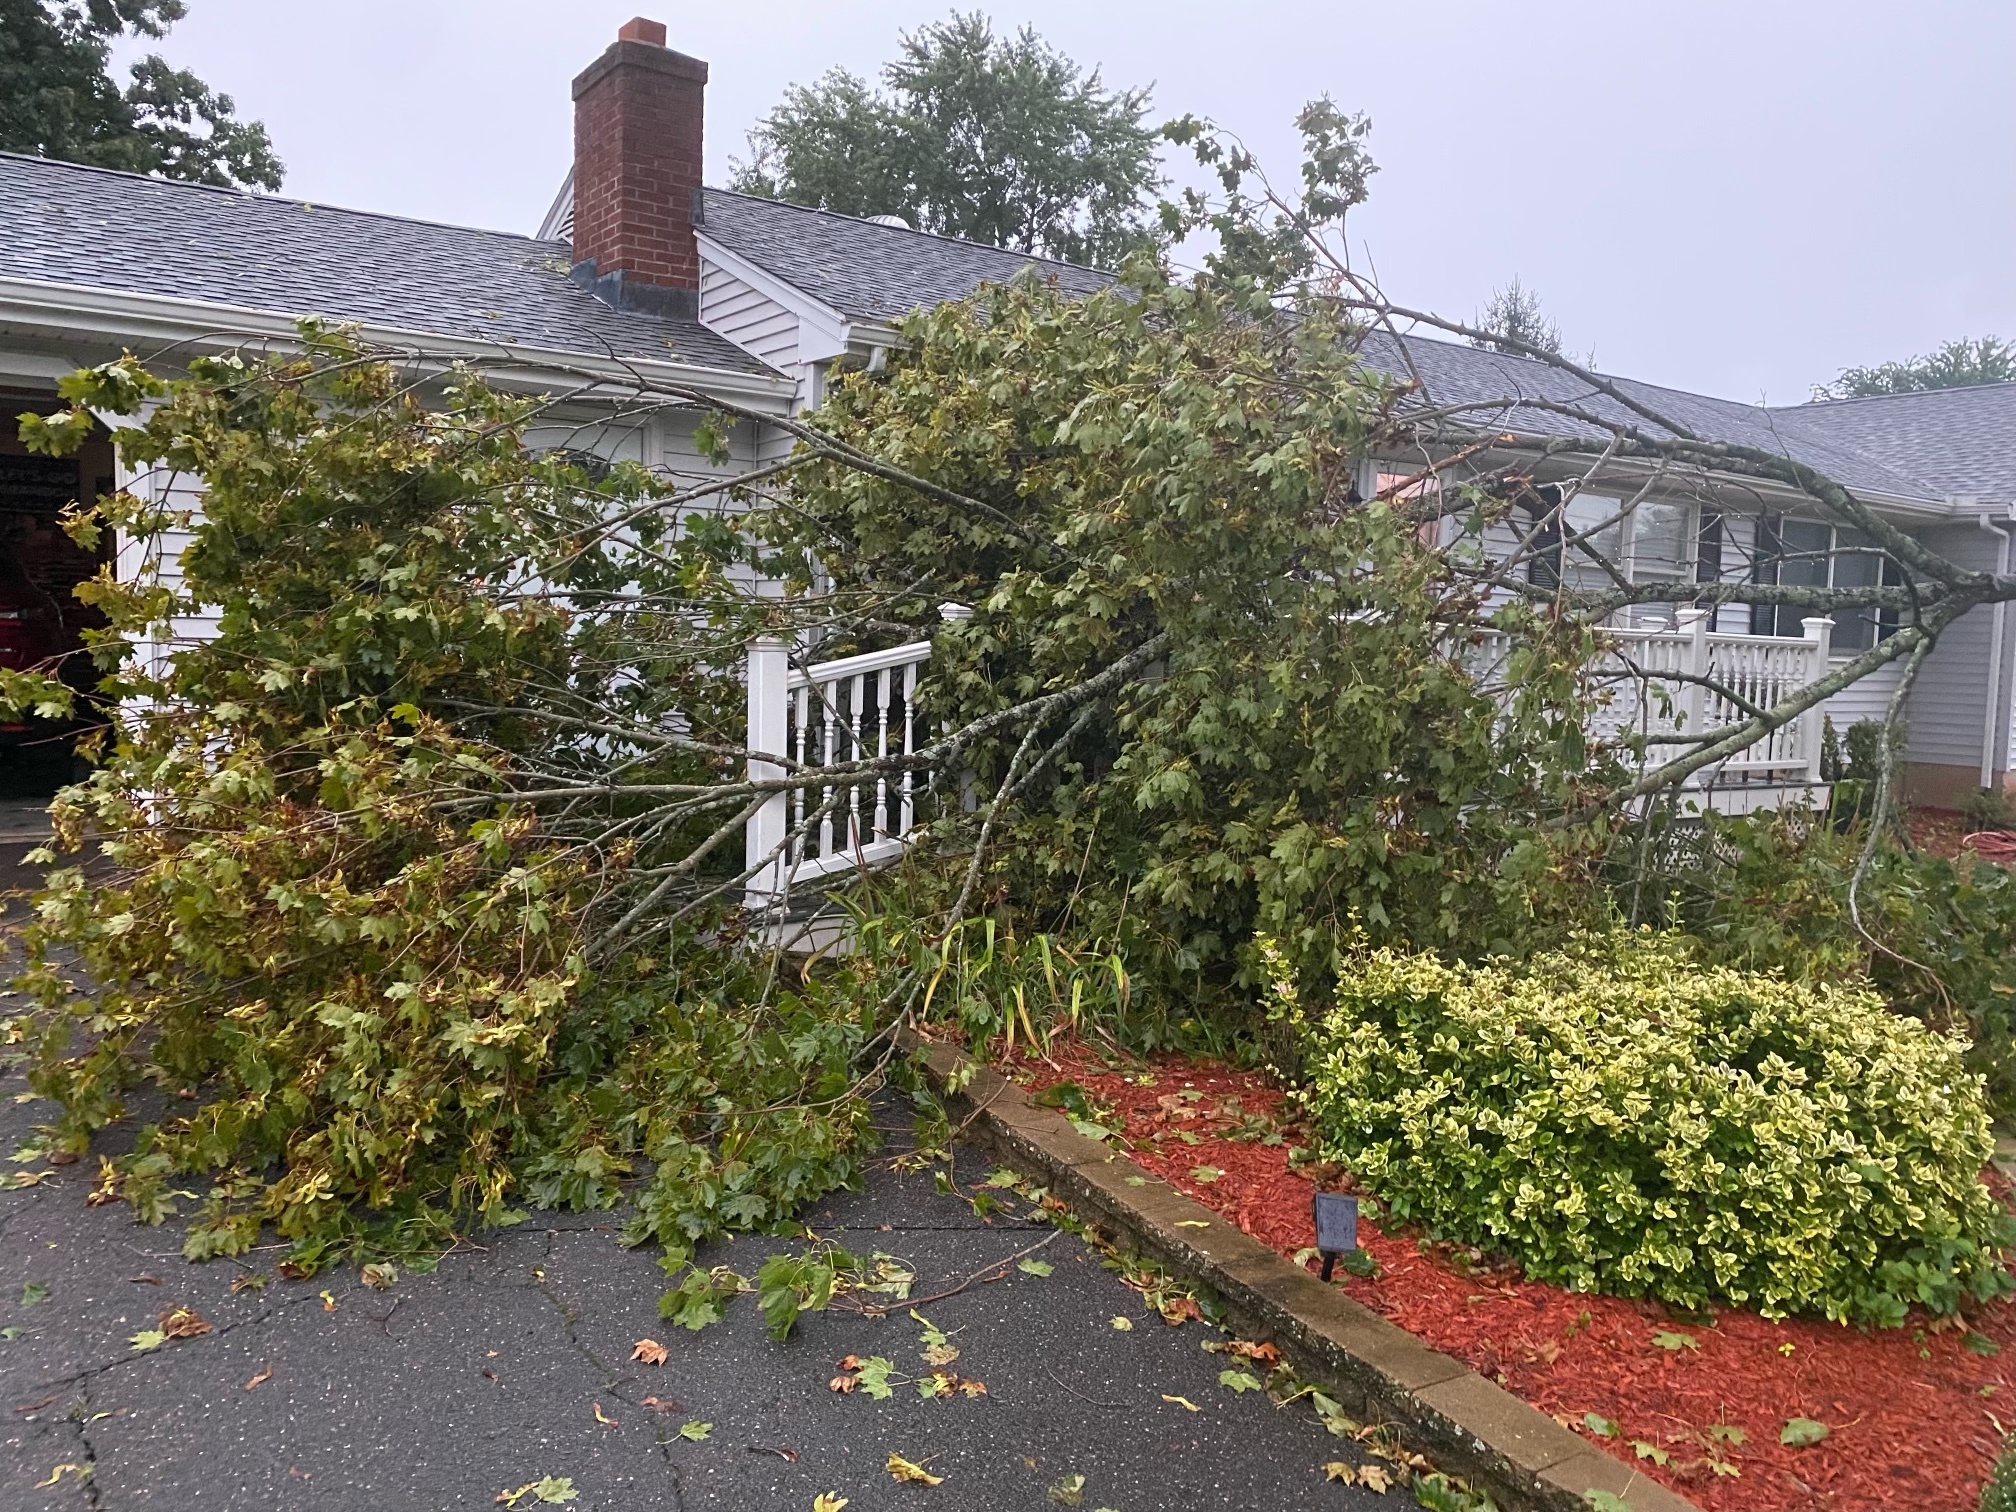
<point>1693,623</point>
<point>769,731</point>
<point>1819,646</point>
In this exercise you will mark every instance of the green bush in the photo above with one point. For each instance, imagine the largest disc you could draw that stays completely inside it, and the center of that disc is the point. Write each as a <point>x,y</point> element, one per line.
<point>1770,893</point>
<point>1618,1117</point>
<point>1999,1495</point>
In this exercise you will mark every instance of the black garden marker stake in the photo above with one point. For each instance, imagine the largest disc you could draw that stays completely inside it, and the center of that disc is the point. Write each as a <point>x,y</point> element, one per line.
<point>1336,1228</point>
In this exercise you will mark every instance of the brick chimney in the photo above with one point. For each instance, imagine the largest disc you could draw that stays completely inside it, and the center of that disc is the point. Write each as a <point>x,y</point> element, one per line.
<point>638,114</point>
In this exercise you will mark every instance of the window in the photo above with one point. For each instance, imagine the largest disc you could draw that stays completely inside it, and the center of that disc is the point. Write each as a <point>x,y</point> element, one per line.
<point>1814,554</point>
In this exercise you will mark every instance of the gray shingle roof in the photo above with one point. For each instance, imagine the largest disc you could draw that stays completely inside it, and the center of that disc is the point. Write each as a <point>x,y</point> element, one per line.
<point>1963,440</point>
<point>866,270</point>
<point>1456,373</point>
<point>75,225</point>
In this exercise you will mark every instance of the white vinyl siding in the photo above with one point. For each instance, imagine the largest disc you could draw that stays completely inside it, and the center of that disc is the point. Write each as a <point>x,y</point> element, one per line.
<point>1949,703</point>
<point>751,319</point>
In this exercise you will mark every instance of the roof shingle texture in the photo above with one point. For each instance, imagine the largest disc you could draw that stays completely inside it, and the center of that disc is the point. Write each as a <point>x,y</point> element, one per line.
<point>869,271</point>
<point>1454,373</point>
<point>1963,440</point>
<point>69,224</point>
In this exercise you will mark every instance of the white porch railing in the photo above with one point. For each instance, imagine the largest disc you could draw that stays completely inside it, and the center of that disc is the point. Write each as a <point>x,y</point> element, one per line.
<point>1660,687</point>
<point>830,713</point>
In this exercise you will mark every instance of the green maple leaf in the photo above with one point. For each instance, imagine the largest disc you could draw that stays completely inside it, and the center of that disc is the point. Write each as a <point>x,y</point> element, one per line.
<point>1802,1431</point>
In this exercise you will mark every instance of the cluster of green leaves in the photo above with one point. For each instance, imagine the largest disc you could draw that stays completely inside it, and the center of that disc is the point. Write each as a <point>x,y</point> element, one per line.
<point>1999,1495</point>
<point>392,987</point>
<point>1937,936</point>
<point>1620,1118</point>
<point>1000,140</point>
<point>58,97</point>
<point>1958,363</point>
<point>1166,471</point>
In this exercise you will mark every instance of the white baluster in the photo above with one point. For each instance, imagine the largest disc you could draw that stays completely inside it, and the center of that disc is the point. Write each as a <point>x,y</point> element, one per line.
<point>769,713</point>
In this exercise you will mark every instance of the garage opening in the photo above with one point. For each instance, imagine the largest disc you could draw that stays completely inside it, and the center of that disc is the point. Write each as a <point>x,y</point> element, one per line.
<point>42,624</point>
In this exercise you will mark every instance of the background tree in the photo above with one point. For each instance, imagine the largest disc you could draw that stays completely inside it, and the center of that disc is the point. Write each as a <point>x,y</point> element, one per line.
<point>1954,365</point>
<point>1002,140</point>
<point>58,98</point>
<point>1514,323</point>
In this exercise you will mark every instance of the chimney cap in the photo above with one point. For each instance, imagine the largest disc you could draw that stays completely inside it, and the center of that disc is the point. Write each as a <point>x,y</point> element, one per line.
<point>642,29</point>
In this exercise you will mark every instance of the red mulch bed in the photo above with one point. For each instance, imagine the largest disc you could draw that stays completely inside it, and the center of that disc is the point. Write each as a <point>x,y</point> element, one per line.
<point>1915,1416</point>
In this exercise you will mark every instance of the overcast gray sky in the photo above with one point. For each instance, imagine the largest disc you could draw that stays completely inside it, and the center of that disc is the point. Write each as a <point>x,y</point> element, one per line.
<point>1734,196</point>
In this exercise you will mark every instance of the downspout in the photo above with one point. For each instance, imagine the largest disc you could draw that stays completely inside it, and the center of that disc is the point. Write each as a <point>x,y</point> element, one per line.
<point>1989,719</point>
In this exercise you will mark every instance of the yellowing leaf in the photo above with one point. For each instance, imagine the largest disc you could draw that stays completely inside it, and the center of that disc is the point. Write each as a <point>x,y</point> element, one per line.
<point>603,1418</point>
<point>828,1501</point>
<point>1123,1325</point>
<point>1372,1478</point>
<point>1068,1492</point>
<point>911,1473</point>
<point>1184,1402</point>
<point>650,1351</point>
<point>1802,1431</point>
<point>1193,1223</point>
<point>380,1277</point>
<point>146,1339</point>
<point>1337,1470</point>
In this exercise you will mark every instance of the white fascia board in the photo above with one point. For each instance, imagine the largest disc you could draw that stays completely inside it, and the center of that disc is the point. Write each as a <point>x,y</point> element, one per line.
<point>823,332</point>
<point>70,313</point>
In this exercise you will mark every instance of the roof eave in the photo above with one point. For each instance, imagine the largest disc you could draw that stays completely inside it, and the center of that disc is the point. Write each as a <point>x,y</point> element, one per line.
<point>68,312</point>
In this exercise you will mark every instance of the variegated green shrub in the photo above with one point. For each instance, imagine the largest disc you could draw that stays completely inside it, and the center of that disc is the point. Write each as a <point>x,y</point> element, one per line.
<point>1619,1118</point>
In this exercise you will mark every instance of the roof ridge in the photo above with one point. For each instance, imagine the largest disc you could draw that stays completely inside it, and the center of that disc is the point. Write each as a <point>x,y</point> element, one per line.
<point>253,196</point>
<point>868,220</point>
<point>1951,388</point>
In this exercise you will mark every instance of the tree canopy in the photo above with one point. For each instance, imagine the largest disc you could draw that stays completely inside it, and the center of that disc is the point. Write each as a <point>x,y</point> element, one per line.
<point>998,139</point>
<point>1957,364</point>
<point>58,98</point>
<point>1513,322</point>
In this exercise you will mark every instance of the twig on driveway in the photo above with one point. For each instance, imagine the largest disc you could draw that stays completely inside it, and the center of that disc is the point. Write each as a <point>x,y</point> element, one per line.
<point>995,1272</point>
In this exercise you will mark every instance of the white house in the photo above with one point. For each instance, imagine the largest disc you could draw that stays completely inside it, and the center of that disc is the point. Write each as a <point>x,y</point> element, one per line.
<point>640,268</point>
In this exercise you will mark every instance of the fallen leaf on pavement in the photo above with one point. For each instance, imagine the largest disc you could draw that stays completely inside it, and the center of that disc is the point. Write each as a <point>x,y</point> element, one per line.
<point>554,1490</point>
<point>380,1277</point>
<point>1337,1470</point>
<point>1184,1402</point>
<point>1124,1325</point>
<point>34,1293</point>
<point>249,1281</point>
<point>1372,1478</point>
<point>1035,1267</point>
<point>784,1452</point>
<point>57,1474</point>
<point>828,1501</point>
<point>1239,1380</point>
<point>328,1302</point>
<point>146,1339</point>
<point>695,1432</point>
<point>603,1418</point>
<point>664,1404</point>
<point>183,1323</point>
<point>1068,1492</point>
<point>260,1379</point>
<point>912,1473</point>
<point>650,1351</point>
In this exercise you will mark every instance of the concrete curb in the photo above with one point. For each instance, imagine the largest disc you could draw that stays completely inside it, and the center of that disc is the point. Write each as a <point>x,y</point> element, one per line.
<point>1381,1373</point>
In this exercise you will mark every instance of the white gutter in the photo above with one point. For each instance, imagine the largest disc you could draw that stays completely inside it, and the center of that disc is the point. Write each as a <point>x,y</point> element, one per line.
<point>1989,718</point>
<point>69,313</point>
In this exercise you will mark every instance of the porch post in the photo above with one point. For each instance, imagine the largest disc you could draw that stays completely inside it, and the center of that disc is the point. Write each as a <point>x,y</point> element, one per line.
<point>769,731</point>
<point>1819,642</point>
<point>1693,623</point>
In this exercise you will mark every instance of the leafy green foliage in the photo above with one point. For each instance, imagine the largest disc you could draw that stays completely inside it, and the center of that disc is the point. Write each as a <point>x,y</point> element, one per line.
<point>1001,140</point>
<point>1954,365</point>
<point>1619,1118</point>
<point>1999,1495</point>
<point>788,1285</point>
<point>404,999</point>
<point>1516,323</point>
<point>1165,477</point>
<point>1771,893</point>
<point>58,97</point>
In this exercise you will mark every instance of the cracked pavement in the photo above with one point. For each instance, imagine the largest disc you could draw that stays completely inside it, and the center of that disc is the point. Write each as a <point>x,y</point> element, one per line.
<point>487,1374</point>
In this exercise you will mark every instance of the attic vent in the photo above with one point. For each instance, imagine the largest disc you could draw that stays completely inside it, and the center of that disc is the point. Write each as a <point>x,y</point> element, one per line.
<point>891,220</point>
